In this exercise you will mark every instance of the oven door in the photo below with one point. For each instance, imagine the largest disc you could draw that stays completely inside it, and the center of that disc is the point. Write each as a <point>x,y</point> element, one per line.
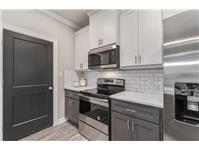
<point>94,112</point>
<point>104,58</point>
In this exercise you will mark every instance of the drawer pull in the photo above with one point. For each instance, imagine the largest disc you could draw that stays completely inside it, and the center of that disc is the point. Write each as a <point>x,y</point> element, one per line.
<point>132,127</point>
<point>130,110</point>
<point>128,124</point>
<point>71,95</point>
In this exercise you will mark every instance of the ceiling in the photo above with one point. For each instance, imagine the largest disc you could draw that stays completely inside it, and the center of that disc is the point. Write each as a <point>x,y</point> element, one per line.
<point>77,16</point>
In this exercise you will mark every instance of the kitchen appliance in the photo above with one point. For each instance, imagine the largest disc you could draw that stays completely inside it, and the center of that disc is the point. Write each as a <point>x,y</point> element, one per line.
<point>76,83</point>
<point>181,76</point>
<point>104,57</point>
<point>94,109</point>
<point>82,82</point>
<point>187,102</point>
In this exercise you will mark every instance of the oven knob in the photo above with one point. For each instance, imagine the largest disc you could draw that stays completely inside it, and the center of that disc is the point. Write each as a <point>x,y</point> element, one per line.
<point>98,117</point>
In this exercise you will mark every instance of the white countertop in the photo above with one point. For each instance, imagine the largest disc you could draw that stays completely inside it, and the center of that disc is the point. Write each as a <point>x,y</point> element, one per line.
<point>155,100</point>
<point>78,89</point>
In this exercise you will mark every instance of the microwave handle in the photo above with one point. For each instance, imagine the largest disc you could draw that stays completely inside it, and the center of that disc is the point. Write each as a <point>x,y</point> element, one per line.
<point>102,49</point>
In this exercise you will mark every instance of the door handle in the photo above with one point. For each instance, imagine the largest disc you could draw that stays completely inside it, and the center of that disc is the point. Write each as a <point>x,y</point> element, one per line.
<point>50,88</point>
<point>132,126</point>
<point>128,124</point>
<point>130,110</point>
<point>135,59</point>
<point>81,66</point>
<point>140,59</point>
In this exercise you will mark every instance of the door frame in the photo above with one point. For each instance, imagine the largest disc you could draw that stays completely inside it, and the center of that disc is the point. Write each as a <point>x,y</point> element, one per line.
<point>55,69</point>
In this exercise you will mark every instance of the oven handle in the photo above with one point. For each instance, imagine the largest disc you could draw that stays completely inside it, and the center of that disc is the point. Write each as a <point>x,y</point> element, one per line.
<point>98,101</point>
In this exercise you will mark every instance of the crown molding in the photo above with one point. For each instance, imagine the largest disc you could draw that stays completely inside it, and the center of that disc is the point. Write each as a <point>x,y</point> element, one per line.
<point>60,19</point>
<point>91,12</point>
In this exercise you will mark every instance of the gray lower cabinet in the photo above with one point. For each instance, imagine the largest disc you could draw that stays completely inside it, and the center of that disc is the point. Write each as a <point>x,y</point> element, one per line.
<point>76,111</point>
<point>127,123</point>
<point>120,126</point>
<point>72,106</point>
<point>145,131</point>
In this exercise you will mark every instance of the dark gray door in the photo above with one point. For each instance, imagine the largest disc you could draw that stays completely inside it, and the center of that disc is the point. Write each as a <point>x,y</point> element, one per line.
<point>27,75</point>
<point>120,127</point>
<point>144,131</point>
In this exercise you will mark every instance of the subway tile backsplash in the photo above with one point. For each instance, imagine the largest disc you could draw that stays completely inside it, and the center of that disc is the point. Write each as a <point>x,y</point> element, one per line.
<point>146,80</point>
<point>69,77</point>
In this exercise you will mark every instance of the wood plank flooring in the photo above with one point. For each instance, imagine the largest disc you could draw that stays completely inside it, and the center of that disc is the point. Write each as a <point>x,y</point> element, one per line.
<point>62,132</point>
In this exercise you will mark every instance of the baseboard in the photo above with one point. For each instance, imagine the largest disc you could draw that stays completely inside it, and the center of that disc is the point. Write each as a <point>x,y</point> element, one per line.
<point>60,121</point>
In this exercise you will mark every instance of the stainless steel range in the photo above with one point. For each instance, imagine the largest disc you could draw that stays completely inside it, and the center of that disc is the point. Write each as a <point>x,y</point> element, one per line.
<point>94,109</point>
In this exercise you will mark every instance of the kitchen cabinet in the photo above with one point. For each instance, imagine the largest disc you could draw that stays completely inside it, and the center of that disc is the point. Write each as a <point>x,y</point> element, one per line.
<point>128,38</point>
<point>81,49</point>
<point>72,106</point>
<point>103,26</point>
<point>135,122</point>
<point>169,13</point>
<point>145,131</point>
<point>125,128</point>
<point>150,37</point>
<point>120,126</point>
<point>140,35</point>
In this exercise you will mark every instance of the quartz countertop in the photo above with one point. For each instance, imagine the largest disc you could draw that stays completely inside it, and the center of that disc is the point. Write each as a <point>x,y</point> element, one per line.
<point>78,89</point>
<point>155,100</point>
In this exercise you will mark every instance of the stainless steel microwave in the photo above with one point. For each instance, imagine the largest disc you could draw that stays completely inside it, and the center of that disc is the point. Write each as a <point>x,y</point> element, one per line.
<point>104,57</point>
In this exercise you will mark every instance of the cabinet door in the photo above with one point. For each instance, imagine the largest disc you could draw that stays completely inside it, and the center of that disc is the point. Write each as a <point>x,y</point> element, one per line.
<point>85,49</point>
<point>102,28</point>
<point>120,127</point>
<point>77,50</point>
<point>150,37</point>
<point>144,131</point>
<point>109,27</point>
<point>95,30</point>
<point>76,111</point>
<point>128,38</point>
<point>69,109</point>
<point>81,49</point>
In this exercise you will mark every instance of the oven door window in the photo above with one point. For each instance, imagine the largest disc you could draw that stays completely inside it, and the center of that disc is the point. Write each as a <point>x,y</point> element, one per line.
<point>94,111</point>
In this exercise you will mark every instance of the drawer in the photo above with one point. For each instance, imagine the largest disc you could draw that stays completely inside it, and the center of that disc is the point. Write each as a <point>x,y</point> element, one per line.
<point>73,95</point>
<point>148,113</point>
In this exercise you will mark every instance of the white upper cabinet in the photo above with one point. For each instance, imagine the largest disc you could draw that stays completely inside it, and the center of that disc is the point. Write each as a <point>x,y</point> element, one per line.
<point>103,28</point>
<point>95,30</point>
<point>150,37</point>
<point>140,38</point>
<point>168,13</point>
<point>81,49</point>
<point>128,38</point>
<point>110,24</point>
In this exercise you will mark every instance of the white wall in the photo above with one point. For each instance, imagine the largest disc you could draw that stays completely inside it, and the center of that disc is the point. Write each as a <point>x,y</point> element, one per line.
<point>1,76</point>
<point>39,23</point>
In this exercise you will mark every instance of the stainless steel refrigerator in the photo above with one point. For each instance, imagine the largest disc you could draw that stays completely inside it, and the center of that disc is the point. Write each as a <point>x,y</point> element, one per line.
<point>181,76</point>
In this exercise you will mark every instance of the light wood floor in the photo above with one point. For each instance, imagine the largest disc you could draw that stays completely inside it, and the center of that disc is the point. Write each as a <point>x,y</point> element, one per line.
<point>62,132</point>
